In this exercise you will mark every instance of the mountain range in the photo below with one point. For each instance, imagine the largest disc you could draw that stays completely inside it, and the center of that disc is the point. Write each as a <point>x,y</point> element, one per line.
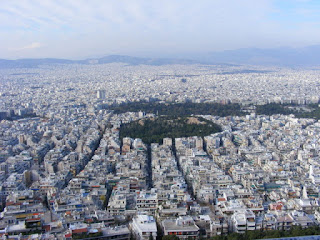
<point>306,56</point>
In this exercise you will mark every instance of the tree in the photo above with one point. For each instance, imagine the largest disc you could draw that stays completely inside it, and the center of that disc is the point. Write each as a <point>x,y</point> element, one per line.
<point>170,237</point>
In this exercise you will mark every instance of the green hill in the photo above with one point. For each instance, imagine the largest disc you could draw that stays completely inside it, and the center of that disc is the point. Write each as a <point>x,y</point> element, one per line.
<point>153,130</point>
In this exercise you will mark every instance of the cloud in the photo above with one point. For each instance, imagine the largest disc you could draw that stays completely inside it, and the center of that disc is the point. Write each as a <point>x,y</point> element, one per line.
<point>33,45</point>
<point>68,28</point>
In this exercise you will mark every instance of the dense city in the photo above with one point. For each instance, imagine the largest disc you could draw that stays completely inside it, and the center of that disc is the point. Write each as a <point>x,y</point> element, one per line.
<point>66,174</point>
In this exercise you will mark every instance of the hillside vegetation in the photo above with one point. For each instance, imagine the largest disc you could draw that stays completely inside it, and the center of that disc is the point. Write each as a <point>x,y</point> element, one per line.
<point>155,129</point>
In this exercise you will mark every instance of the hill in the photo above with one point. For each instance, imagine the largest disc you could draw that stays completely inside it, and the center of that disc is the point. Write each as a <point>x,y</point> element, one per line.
<point>282,56</point>
<point>153,130</point>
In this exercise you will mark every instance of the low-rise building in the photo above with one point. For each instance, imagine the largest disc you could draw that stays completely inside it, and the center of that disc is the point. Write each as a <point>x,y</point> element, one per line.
<point>143,227</point>
<point>183,227</point>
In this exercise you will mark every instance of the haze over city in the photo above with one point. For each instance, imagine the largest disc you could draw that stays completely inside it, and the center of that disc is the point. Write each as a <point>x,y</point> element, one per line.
<point>82,29</point>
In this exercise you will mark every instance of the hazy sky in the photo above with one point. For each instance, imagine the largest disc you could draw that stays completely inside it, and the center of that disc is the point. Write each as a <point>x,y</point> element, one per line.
<point>87,28</point>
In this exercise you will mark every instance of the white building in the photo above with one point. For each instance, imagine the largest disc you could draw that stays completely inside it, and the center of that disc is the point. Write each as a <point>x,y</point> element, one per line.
<point>101,94</point>
<point>144,226</point>
<point>243,220</point>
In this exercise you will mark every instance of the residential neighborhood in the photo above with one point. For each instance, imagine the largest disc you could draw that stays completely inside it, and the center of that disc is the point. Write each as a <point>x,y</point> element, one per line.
<point>66,174</point>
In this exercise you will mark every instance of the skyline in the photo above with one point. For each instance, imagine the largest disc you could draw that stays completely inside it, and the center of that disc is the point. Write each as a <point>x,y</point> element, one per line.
<point>76,30</point>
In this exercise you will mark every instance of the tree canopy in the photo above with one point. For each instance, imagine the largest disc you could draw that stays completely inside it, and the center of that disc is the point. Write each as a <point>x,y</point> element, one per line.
<point>154,130</point>
<point>180,109</point>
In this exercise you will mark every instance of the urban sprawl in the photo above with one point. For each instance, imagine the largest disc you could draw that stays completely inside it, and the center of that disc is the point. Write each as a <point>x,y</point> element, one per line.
<point>65,174</point>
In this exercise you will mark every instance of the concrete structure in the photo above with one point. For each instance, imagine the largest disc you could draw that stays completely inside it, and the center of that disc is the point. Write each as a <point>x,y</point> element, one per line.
<point>144,226</point>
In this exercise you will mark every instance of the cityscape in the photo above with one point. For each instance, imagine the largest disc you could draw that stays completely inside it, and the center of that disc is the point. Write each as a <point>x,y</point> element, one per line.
<point>159,120</point>
<point>66,174</point>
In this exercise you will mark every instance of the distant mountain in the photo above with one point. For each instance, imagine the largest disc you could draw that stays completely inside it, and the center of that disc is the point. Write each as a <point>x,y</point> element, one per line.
<point>306,56</point>
<point>31,63</point>
<point>139,60</point>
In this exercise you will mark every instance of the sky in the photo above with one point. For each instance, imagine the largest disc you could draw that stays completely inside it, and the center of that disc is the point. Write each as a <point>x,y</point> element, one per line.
<point>78,29</point>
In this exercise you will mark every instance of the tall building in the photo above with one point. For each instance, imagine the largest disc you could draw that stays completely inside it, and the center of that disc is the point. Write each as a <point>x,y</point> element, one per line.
<point>101,94</point>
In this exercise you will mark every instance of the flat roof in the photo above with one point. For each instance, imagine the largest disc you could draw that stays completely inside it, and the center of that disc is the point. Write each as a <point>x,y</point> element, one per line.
<point>171,225</point>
